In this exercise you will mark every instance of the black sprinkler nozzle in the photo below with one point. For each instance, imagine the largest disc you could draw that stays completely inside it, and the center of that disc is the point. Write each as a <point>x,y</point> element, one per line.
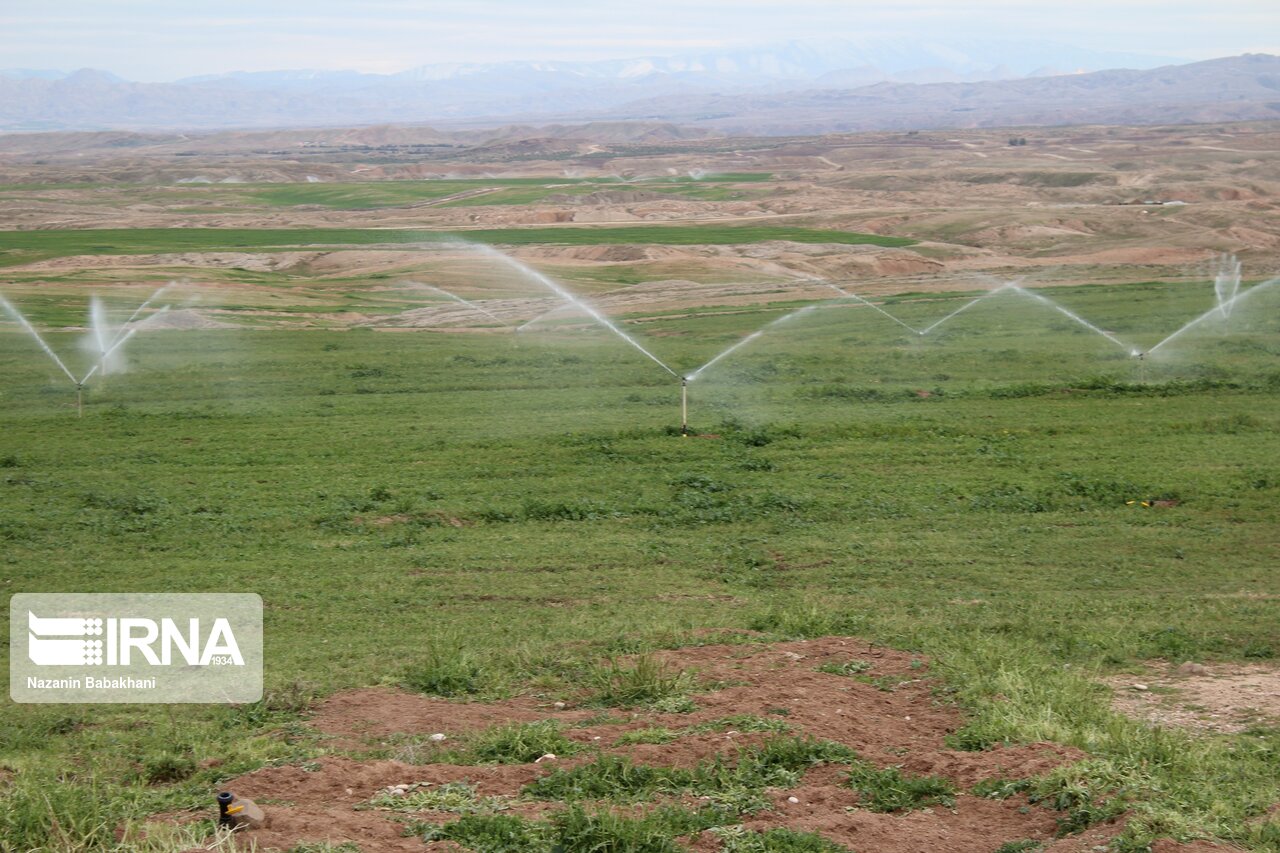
<point>225,799</point>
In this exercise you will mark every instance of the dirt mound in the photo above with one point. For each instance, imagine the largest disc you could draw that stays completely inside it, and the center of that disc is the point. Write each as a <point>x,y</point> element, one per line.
<point>605,197</point>
<point>1154,256</point>
<point>253,261</point>
<point>1015,233</point>
<point>865,264</point>
<point>1253,238</point>
<point>626,253</point>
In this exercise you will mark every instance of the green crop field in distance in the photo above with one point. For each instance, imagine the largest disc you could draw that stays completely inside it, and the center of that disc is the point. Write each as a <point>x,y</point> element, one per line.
<point>18,247</point>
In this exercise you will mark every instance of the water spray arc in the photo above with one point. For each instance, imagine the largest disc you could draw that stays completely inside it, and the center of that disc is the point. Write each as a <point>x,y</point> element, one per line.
<point>847,295</point>
<point>1226,287</point>
<point>1221,310</point>
<point>539,318</point>
<point>31,330</point>
<point>685,380</point>
<point>98,330</point>
<point>1226,283</point>
<point>844,294</point>
<point>456,298</point>
<point>143,307</point>
<point>120,342</point>
<point>1066,312</point>
<point>749,338</point>
<point>568,296</point>
<point>965,307</point>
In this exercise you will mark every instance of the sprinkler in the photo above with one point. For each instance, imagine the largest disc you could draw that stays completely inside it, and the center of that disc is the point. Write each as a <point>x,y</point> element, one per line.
<point>225,816</point>
<point>239,812</point>
<point>684,406</point>
<point>106,350</point>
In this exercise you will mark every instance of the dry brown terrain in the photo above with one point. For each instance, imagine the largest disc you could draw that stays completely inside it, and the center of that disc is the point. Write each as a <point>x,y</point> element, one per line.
<point>1071,205</point>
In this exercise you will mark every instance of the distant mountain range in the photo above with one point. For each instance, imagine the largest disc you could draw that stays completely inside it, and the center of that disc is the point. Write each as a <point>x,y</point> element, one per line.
<point>32,99</point>
<point>1241,88</point>
<point>796,88</point>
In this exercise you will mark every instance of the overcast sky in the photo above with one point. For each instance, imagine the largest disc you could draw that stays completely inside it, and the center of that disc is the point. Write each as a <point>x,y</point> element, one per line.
<point>168,39</point>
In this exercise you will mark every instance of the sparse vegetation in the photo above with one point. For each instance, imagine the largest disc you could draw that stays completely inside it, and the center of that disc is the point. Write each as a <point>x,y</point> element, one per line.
<point>518,743</point>
<point>891,790</point>
<point>645,681</point>
<point>852,667</point>
<point>453,797</point>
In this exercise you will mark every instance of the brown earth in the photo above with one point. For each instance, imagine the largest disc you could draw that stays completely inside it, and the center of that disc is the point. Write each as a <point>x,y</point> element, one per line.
<point>902,720</point>
<point>1218,698</point>
<point>1072,198</point>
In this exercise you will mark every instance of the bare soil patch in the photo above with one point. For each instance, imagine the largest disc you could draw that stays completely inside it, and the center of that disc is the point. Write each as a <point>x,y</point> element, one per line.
<point>1218,698</point>
<point>894,715</point>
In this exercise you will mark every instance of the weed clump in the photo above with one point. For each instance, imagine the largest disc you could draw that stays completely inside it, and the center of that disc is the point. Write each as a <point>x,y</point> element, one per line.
<point>738,786</point>
<point>575,828</point>
<point>739,839</point>
<point>646,682</point>
<point>446,673</point>
<point>489,833</point>
<point>891,790</point>
<point>519,743</point>
<point>849,668</point>
<point>609,777</point>
<point>168,767</point>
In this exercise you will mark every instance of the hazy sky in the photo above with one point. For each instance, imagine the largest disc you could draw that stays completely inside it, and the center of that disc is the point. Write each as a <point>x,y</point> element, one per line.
<point>167,39</point>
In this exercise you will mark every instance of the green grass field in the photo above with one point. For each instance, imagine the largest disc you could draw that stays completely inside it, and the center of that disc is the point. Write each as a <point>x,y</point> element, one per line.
<point>964,495</point>
<point>18,247</point>
<point>372,195</point>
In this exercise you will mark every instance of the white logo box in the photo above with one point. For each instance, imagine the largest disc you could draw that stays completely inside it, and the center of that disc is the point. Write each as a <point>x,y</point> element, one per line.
<point>135,647</point>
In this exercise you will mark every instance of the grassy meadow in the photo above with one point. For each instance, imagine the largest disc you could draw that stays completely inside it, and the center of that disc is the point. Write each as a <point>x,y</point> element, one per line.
<point>511,509</point>
<point>22,247</point>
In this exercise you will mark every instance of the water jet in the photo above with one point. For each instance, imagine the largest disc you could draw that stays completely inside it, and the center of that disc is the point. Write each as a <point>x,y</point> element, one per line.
<point>1222,310</point>
<point>456,298</point>
<point>568,296</point>
<point>1226,283</point>
<point>98,330</point>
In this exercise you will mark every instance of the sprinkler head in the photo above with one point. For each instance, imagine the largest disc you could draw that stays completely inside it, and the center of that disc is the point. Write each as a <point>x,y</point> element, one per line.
<point>225,799</point>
